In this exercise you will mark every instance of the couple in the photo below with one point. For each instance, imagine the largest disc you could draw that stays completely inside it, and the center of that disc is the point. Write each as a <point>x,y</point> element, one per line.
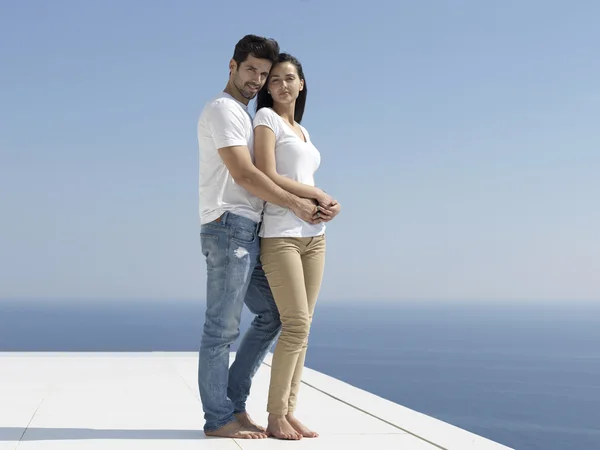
<point>263,237</point>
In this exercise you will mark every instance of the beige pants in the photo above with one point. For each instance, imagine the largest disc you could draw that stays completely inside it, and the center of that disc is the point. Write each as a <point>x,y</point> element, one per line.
<point>294,269</point>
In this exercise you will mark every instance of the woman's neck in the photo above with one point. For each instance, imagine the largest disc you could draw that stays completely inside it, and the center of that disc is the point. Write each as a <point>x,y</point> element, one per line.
<point>285,111</point>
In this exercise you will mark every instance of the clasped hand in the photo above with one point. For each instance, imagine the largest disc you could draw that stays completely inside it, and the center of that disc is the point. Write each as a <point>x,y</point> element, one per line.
<point>326,209</point>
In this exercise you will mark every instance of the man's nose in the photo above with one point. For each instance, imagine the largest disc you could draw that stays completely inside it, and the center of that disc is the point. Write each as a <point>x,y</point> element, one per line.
<point>254,78</point>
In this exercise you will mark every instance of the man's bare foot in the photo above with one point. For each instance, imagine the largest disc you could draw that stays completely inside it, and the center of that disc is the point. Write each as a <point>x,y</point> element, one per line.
<point>248,423</point>
<point>300,428</point>
<point>236,431</point>
<point>280,428</point>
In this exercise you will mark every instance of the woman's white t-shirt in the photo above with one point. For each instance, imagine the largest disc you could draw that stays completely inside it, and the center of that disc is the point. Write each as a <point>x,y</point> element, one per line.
<point>294,159</point>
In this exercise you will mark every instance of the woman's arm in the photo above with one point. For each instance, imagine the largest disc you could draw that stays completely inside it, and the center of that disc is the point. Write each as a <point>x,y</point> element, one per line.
<point>264,157</point>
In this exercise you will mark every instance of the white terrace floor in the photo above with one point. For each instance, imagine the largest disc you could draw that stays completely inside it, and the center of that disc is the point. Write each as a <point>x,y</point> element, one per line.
<point>51,401</point>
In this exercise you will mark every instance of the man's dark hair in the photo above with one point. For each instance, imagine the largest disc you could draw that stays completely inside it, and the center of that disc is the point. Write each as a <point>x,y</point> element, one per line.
<point>257,46</point>
<point>264,99</point>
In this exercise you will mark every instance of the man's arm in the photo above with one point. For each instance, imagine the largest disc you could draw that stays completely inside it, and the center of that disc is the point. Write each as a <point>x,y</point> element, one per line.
<point>264,154</point>
<point>227,126</point>
<point>240,166</point>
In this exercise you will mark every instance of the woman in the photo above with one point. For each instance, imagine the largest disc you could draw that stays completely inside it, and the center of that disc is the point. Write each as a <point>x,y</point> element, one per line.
<point>292,250</point>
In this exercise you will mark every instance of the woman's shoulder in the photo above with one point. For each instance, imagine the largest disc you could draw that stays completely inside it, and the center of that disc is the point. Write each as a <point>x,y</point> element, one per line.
<point>265,113</point>
<point>268,118</point>
<point>305,131</point>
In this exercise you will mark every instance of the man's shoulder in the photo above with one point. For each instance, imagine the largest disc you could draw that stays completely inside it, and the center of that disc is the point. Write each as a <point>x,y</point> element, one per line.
<point>222,104</point>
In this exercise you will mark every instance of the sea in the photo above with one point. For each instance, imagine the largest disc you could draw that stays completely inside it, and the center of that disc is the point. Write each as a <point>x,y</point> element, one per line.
<point>525,374</point>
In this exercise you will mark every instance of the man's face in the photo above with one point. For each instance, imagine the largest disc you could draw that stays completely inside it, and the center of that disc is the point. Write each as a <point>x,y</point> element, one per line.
<point>250,76</point>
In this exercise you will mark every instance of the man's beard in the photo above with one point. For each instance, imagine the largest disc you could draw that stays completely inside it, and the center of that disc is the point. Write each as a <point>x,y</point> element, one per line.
<point>245,90</point>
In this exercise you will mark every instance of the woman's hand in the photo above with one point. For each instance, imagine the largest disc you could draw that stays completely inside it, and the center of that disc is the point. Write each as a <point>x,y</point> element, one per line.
<point>326,214</point>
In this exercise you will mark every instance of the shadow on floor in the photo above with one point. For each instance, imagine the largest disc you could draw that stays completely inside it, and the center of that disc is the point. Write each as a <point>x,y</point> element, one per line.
<point>66,434</point>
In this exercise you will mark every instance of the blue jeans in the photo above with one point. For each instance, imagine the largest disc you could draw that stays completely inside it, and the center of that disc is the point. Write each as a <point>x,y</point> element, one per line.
<point>234,276</point>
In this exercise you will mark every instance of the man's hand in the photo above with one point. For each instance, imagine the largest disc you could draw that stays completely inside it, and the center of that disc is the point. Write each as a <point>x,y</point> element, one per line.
<point>305,209</point>
<point>323,198</point>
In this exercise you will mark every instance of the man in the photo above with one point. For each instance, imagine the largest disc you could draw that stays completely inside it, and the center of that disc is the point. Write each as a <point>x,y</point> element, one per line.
<point>232,194</point>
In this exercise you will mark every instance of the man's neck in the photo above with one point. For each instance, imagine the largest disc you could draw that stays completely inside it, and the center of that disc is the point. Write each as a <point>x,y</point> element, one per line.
<point>232,90</point>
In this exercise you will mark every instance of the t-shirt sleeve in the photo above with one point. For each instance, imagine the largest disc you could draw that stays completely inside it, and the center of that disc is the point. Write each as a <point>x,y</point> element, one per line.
<point>266,117</point>
<point>227,126</point>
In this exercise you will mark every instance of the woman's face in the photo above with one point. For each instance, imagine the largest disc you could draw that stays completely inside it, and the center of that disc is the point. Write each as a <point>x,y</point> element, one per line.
<point>285,83</point>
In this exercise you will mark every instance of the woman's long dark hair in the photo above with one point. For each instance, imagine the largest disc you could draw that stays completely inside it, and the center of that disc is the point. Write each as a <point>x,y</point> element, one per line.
<point>264,99</point>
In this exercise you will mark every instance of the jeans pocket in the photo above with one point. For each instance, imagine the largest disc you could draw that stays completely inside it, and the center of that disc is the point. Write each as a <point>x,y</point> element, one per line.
<point>208,242</point>
<point>243,236</point>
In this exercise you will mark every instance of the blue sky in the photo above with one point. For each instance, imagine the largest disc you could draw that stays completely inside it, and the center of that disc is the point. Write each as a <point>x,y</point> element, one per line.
<point>461,138</point>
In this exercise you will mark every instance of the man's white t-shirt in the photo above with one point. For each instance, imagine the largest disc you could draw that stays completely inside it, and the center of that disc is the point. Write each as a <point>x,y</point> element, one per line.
<point>224,122</point>
<point>297,160</point>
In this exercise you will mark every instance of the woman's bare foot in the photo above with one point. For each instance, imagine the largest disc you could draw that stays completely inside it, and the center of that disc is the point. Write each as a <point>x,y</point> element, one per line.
<point>280,428</point>
<point>300,428</point>
<point>236,431</point>
<point>248,423</point>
